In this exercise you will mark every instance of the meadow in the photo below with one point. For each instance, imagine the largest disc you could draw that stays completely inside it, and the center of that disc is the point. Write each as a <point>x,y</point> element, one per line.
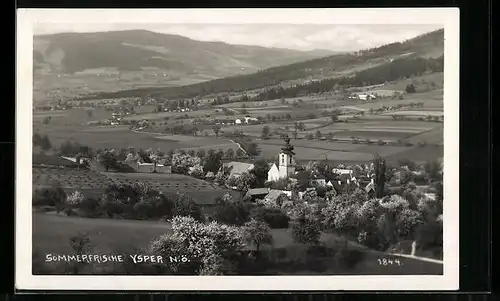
<point>93,184</point>
<point>52,233</point>
<point>121,137</point>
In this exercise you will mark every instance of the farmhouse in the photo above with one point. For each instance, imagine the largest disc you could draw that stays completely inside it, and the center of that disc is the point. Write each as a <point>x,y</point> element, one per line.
<point>366,96</point>
<point>286,163</point>
<point>159,167</point>
<point>237,168</point>
<point>275,193</point>
<point>317,180</point>
<point>339,171</point>
<point>249,119</point>
<point>257,193</point>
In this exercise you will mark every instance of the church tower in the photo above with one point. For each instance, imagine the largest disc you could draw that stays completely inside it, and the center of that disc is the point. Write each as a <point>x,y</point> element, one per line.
<point>286,160</point>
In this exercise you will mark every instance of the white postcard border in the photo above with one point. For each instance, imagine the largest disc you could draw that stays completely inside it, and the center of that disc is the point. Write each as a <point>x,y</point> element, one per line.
<point>448,17</point>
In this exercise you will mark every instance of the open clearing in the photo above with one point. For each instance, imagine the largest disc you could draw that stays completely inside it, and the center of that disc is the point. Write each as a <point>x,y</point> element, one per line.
<point>93,184</point>
<point>122,137</point>
<point>51,235</point>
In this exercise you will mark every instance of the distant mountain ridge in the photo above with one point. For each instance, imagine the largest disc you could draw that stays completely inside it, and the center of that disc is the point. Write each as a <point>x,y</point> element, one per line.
<point>429,45</point>
<point>135,50</point>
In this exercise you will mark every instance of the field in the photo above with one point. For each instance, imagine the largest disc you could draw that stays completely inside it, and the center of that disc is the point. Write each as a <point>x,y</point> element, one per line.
<point>122,137</point>
<point>51,234</point>
<point>201,191</point>
<point>74,116</point>
<point>93,184</point>
<point>348,152</point>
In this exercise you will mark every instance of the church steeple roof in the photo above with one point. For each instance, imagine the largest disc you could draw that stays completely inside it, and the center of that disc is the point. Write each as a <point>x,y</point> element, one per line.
<point>287,148</point>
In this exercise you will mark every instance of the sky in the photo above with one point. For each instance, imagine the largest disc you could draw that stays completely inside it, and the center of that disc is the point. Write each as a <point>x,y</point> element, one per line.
<point>304,37</point>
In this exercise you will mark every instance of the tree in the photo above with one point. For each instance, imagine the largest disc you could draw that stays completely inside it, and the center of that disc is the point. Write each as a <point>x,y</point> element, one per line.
<point>305,230</point>
<point>318,134</point>
<point>211,248</point>
<point>257,232</point>
<point>229,154</point>
<point>433,170</point>
<point>260,170</point>
<point>36,139</point>
<point>252,149</point>
<point>51,196</point>
<point>212,162</point>
<point>45,143</point>
<point>410,88</point>
<point>265,132</point>
<point>273,216</point>
<point>185,206</point>
<point>230,211</point>
<point>309,136</point>
<point>379,169</point>
<point>107,159</point>
<point>216,129</point>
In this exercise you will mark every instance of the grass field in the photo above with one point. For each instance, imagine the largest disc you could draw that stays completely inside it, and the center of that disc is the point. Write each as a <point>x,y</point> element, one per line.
<point>93,184</point>
<point>74,116</point>
<point>348,152</point>
<point>122,137</point>
<point>201,191</point>
<point>51,234</point>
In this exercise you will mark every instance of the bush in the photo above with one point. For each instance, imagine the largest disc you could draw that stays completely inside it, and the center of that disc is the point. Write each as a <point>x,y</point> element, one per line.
<point>274,217</point>
<point>306,231</point>
<point>232,212</point>
<point>185,206</point>
<point>90,207</point>
<point>53,196</point>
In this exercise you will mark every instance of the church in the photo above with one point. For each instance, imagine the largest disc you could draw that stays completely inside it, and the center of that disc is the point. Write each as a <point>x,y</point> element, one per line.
<point>286,164</point>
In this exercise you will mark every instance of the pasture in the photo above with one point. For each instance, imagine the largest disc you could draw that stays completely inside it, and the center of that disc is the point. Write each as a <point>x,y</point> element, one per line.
<point>122,137</point>
<point>74,116</point>
<point>349,152</point>
<point>202,192</point>
<point>52,233</point>
<point>93,184</point>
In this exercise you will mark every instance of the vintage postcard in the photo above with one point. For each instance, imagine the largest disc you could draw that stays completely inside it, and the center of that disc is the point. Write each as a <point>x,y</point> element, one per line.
<point>237,149</point>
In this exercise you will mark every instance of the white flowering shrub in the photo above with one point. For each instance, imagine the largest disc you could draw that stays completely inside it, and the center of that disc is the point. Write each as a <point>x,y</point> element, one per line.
<point>75,198</point>
<point>207,246</point>
<point>196,171</point>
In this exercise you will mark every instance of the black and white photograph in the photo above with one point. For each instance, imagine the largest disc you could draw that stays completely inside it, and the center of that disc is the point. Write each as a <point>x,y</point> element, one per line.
<point>222,149</point>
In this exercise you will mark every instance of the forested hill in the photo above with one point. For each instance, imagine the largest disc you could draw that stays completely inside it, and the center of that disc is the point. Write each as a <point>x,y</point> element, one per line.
<point>417,54</point>
<point>135,50</point>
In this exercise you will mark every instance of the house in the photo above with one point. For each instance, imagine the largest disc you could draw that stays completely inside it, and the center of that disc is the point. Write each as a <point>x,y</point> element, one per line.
<point>249,119</point>
<point>340,171</point>
<point>286,161</point>
<point>275,193</point>
<point>317,180</point>
<point>78,160</point>
<point>366,96</point>
<point>257,193</point>
<point>238,168</point>
<point>151,167</point>
<point>370,188</point>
